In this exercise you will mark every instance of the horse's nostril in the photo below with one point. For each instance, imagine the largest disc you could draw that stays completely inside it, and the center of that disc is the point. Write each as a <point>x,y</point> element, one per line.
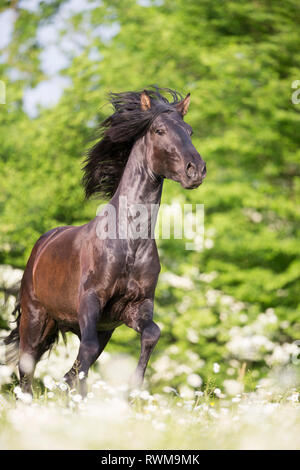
<point>191,170</point>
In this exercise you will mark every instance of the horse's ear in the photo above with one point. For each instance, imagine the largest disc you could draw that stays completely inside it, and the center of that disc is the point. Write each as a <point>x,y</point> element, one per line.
<point>145,101</point>
<point>183,105</point>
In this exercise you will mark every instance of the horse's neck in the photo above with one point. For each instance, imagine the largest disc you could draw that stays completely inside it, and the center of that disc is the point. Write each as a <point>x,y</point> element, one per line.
<point>138,184</point>
<point>139,193</point>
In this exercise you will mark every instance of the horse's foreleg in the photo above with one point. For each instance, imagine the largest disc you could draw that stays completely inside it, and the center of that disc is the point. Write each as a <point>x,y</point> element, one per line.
<point>72,377</point>
<point>150,334</point>
<point>92,343</point>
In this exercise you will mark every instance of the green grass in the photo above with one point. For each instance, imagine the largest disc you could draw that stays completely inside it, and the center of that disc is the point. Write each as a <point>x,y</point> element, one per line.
<point>111,417</point>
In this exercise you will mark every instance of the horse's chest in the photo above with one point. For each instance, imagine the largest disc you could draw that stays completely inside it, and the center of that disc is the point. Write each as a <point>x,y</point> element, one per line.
<point>127,265</point>
<point>134,282</point>
<point>133,286</point>
<point>137,268</point>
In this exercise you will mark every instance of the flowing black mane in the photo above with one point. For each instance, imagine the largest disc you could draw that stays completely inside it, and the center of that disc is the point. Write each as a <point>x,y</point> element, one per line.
<point>105,161</point>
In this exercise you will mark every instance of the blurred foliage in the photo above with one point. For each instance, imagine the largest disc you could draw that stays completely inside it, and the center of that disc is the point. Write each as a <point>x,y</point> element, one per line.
<point>238,59</point>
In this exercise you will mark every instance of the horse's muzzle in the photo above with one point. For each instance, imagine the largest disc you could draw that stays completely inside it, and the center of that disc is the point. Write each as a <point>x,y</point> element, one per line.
<point>195,175</point>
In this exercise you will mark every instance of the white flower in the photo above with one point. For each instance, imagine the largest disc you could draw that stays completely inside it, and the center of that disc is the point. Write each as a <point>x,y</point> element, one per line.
<point>186,392</point>
<point>17,391</point>
<point>233,387</point>
<point>216,368</point>
<point>150,408</point>
<point>208,277</point>
<point>49,382</point>
<point>5,372</point>
<point>192,335</point>
<point>81,375</point>
<point>10,276</point>
<point>167,389</point>
<point>270,407</point>
<point>243,318</point>
<point>294,398</point>
<point>194,380</point>
<point>217,392</point>
<point>145,395</point>
<point>135,393</point>
<point>256,217</point>
<point>63,386</point>
<point>77,398</point>
<point>208,243</point>
<point>180,282</point>
<point>282,353</point>
<point>25,398</point>
<point>236,400</point>
<point>212,296</point>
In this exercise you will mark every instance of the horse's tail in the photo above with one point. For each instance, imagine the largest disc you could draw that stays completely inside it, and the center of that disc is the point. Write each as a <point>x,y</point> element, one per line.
<point>11,342</point>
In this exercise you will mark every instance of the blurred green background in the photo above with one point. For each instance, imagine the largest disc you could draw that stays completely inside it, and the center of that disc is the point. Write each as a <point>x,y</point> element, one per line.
<point>233,308</point>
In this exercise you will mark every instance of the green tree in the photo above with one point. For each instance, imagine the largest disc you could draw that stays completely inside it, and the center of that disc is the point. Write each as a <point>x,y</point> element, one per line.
<point>238,59</point>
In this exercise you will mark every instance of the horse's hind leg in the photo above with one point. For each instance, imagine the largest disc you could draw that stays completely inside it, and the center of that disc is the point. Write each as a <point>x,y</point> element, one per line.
<point>37,332</point>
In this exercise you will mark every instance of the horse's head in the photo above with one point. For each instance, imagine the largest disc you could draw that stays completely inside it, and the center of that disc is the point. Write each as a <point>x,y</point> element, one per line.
<point>172,154</point>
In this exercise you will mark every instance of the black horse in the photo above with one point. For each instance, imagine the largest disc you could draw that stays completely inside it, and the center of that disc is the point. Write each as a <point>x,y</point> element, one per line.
<point>78,280</point>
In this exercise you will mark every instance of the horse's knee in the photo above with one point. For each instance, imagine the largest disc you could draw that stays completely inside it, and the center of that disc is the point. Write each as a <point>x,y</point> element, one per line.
<point>155,332</point>
<point>151,334</point>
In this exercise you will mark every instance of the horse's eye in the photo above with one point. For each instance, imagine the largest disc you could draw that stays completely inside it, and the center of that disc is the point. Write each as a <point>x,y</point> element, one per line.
<point>159,131</point>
